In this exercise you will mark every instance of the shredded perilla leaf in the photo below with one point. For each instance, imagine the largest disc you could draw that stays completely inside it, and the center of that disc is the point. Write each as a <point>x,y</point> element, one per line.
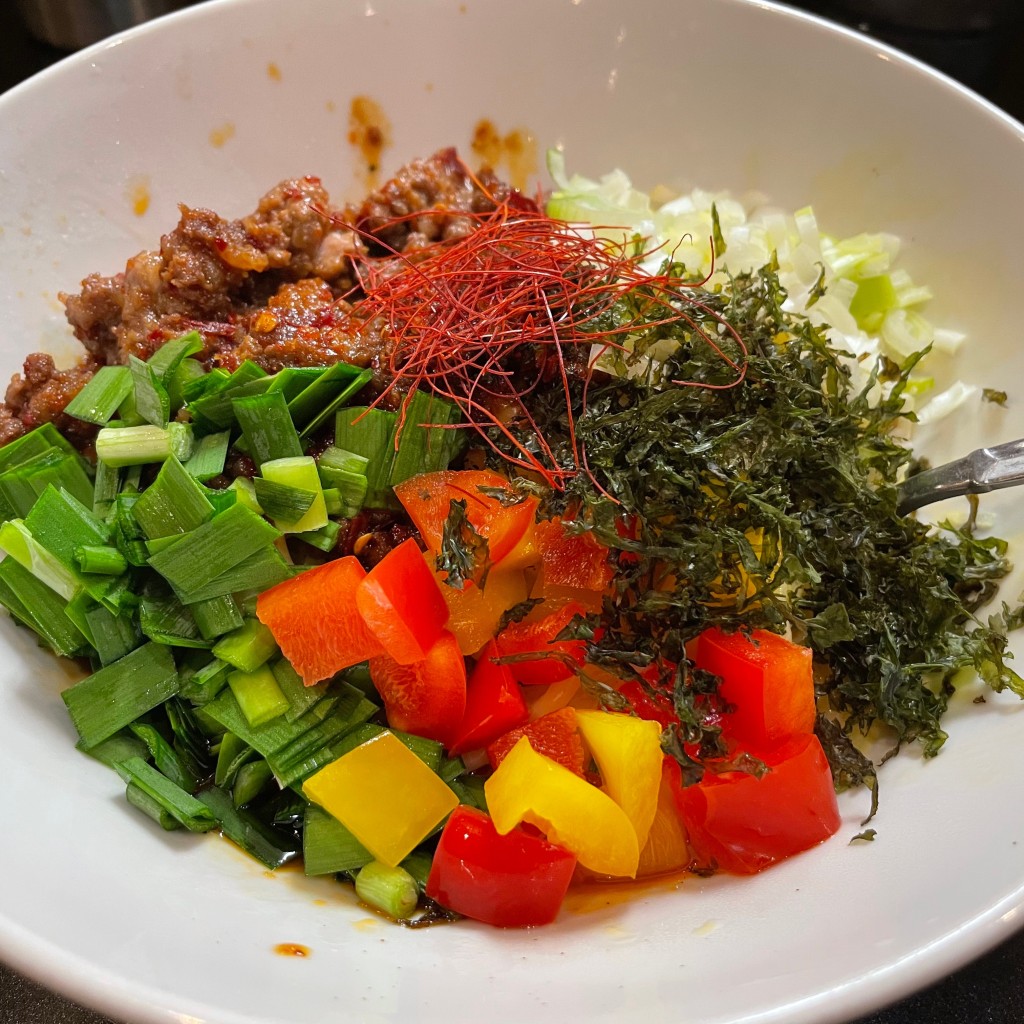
<point>771,504</point>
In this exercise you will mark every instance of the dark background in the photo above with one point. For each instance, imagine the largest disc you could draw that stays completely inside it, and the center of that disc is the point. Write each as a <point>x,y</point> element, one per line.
<point>979,42</point>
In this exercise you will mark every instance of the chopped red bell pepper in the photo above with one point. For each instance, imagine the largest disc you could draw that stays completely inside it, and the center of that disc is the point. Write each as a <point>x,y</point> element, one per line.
<point>402,604</point>
<point>742,823</point>
<point>538,636</point>
<point>314,620</point>
<point>767,679</point>
<point>428,697</point>
<point>428,497</point>
<point>516,880</point>
<point>554,735</point>
<point>494,704</point>
<point>653,708</point>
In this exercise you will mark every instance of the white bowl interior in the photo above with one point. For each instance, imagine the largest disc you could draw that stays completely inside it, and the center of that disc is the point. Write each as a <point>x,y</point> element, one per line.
<point>211,107</point>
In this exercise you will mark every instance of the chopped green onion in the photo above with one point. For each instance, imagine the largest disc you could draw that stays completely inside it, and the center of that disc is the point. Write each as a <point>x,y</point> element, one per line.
<point>179,378</point>
<point>35,442</point>
<point>418,864</point>
<point>250,782</point>
<point>209,456</point>
<point>100,558</point>
<point>268,847</point>
<point>207,682</point>
<point>198,558</point>
<point>131,446</point>
<point>206,384</point>
<point>184,807</point>
<point>267,426</point>
<point>106,488</point>
<point>301,474</point>
<point>390,890</point>
<point>246,491</point>
<point>165,757</point>
<point>281,502</point>
<point>22,485</point>
<point>323,539</point>
<point>153,808</point>
<point>299,696</point>
<point>102,395</point>
<point>257,572</point>
<point>259,697</point>
<point>166,620</point>
<point>17,540</point>
<point>247,647</point>
<point>217,616</point>
<point>213,411</point>
<point>118,748</point>
<point>425,444</point>
<point>370,433</point>
<point>233,753</point>
<point>152,402</point>
<point>112,635</point>
<point>173,504</point>
<point>166,359</point>
<point>328,847</point>
<point>113,697</point>
<point>331,390</point>
<point>35,605</point>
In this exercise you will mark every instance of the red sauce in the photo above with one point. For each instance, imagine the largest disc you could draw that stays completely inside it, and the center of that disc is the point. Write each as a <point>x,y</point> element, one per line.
<point>517,150</point>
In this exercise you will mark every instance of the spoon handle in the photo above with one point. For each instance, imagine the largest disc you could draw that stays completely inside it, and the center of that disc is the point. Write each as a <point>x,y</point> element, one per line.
<point>987,469</point>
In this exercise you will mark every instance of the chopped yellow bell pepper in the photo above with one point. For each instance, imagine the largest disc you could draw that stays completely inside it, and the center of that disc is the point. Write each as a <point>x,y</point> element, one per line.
<point>530,787</point>
<point>628,755</point>
<point>666,848</point>
<point>384,795</point>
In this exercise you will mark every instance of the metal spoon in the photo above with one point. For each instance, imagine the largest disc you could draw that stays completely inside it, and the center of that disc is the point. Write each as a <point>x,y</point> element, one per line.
<point>987,469</point>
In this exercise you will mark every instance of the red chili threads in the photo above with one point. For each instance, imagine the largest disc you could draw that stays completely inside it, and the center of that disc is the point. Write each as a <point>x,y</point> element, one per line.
<point>515,305</point>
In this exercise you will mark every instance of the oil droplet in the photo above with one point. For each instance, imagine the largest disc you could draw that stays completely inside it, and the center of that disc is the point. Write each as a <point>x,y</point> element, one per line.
<point>517,150</point>
<point>292,949</point>
<point>330,106</point>
<point>369,131</point>
<point>366,924</point>
<point>273,72</point>
<point>319,903</point>
<point>706,928</point>
<point>221,135</point>
<point>429,87</point>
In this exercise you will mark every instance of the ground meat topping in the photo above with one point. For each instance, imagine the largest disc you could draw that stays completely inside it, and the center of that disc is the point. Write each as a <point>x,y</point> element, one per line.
<point>271,287</point>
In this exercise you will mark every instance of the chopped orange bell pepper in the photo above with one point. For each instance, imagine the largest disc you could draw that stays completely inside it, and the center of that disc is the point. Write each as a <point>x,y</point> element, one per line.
<point>428,497</point>
<point>572,562</point>
<point>530,787</point>
<point>314,620</point>
<point>628,755</point>
<point>384,795</point>
<point>474,613</point>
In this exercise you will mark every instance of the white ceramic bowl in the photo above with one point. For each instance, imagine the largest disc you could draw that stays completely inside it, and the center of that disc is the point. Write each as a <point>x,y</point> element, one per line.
<point>214,105</point>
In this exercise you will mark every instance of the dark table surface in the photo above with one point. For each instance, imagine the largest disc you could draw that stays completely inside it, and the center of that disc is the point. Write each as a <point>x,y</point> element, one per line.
<point>989,991</point>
